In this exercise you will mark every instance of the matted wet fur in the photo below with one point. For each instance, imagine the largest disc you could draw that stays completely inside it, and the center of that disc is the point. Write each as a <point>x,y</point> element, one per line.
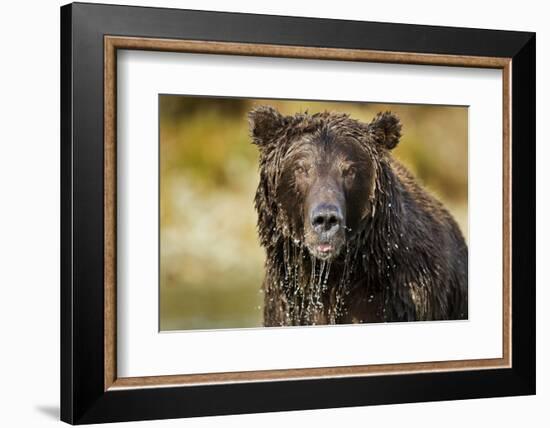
<point>349,234</point>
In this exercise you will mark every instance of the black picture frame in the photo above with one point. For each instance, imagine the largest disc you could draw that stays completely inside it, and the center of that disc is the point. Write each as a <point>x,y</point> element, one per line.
<point>83,397</point>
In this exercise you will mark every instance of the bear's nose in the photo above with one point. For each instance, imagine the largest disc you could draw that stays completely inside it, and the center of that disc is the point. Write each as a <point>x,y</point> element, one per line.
<point>326,218</point>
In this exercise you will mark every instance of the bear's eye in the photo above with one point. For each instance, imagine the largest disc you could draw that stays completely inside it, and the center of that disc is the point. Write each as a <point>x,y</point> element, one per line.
<point>301,170</point>
<point>349,172</point>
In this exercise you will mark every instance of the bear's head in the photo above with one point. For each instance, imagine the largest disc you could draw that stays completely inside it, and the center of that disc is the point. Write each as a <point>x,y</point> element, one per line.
<point>319,176</point>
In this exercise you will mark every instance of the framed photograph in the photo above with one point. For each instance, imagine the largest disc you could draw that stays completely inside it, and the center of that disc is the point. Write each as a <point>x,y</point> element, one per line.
<point>265,213</point>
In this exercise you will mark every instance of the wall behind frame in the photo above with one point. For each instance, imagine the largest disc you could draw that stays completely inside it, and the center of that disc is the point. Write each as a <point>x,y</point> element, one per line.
<point>29,220</point>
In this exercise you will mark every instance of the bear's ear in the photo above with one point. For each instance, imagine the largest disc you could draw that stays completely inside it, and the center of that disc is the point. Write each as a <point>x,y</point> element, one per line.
<point>264,122</point>
<point>385,129</point>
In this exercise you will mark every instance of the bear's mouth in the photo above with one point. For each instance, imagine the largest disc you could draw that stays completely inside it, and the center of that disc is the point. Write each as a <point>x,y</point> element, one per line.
<point>325,250</point>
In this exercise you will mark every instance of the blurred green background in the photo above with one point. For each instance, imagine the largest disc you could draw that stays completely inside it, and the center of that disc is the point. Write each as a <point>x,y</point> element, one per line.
<point>211,265</point>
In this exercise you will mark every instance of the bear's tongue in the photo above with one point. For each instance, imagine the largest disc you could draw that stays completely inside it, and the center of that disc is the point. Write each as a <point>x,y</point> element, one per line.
<point>324,248</point>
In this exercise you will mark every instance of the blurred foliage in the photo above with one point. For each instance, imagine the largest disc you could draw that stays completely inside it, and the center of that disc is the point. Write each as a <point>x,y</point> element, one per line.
<point>211,265</point>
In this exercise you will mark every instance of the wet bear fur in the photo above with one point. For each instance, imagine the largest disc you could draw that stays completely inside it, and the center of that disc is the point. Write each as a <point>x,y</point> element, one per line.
<point>403,257</point>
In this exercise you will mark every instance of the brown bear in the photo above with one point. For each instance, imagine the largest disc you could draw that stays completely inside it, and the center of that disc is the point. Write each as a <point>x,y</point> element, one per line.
<point>350,236</point>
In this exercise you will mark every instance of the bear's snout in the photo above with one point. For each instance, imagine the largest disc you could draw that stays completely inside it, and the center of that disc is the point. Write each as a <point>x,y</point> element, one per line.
<point>326,219</point>
<point>327,224</point>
